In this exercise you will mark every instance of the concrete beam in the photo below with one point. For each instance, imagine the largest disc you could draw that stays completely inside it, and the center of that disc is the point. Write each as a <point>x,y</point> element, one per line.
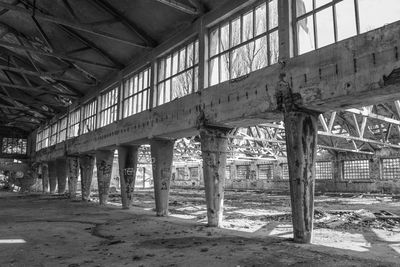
<point>162,153</point>
<point>128,158</point>
<point>214,144</point>
<point>86,166</point>
<point>339,76</point>
<point>104,162</point>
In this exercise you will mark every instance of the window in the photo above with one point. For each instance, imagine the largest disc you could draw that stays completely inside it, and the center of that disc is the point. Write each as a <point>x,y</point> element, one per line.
<point>177,73</point>
<point>180,174</point>
<point>243,172</point>
<point>228,172</point>
<point>74,120</point>
<point>45,137</point>
<point>62,129</point>
<point>323,170</point>
<point>244,44</point>
<point>39,140</point>
<point>194,173</point>
<point>89,117</point>
<point>285,171</point>
<point>13,145</point>
<point>53,134</point>
<point>137,93</point>
<point>323,22</point>
<point>356,169</point>
<point>109,107</point>
<point>391,168</point>
<point>265,171</point>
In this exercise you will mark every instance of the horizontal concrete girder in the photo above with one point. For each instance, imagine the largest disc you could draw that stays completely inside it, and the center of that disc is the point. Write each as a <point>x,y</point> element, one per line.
<point>355,72</point>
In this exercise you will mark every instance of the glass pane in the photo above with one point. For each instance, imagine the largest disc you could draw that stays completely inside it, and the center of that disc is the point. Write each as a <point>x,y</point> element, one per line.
<point>196,79</point>
<point>319,3</point>
<point>145,79</point>
<point>261,19</point>
<point>247,26</point>
<point>305,35</point>
<point>167,91</point>
<point>303,6</point>
<point>168,67</point>
<point>160,92</point>
<point>325,31</point>
<point>241,60</point>
<point>377,13</point>
<point>224,45</point>
<point>214,79</point>
<point>261,55</point>
<point>235,35</point>
<point>273,47</point>
<point>196,52</point>
<point>189,57</point>
<point>175,63</point>
<point>273,14</point>
<point>182,59</point>
<point>161,70</point>
<point>214,42</point>
<point>224,67</point>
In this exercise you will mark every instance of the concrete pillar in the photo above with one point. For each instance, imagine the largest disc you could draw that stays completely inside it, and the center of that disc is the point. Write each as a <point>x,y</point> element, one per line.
<point>52,167</point>
<point>86,165</point>
<point>127,158</point>
<point>337,169</point>
<point>214,145</point>
<point>104,163</point>
<point>61,170</point>
<point>45,177</point>
<point>162,152</point>
<point>301,144</point>
<point>73,167</point>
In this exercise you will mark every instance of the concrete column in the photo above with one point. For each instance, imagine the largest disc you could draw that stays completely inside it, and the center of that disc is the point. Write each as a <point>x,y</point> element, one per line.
<point>162,152</point>
<point>45,177</point>
<point>61,170</point>
<point>104,163</point>
<point>73,167</point>
<point>52,167</point>
<point>214,145</point>
<point>86,165</point>
<point>301,144</point>
<point>337,169</point>
<point>127,158</point>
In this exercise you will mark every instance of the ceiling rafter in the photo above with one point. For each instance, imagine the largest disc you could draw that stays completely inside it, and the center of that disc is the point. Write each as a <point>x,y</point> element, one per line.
<point>127,23</point>
<point>181,7</point>
<point>77,26</point>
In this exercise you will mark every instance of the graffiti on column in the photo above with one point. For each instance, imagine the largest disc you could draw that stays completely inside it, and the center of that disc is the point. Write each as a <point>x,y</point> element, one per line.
<point>129,178</point>
<point>165,176</point>
<point>104,170</point>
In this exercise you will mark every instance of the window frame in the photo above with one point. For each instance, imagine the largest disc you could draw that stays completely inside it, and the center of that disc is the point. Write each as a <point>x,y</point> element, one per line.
<point>89,117</point>
<point>128,100</point>
<point>108,103</point>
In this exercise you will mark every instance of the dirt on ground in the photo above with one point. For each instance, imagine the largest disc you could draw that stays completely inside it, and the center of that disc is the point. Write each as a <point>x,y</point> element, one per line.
<point>51,230</point>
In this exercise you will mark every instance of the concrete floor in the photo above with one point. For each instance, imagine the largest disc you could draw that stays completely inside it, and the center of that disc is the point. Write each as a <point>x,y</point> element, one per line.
<point>44,230</point>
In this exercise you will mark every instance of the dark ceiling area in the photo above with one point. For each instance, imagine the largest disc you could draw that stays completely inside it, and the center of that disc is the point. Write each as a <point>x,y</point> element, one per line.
<point>55,51</point>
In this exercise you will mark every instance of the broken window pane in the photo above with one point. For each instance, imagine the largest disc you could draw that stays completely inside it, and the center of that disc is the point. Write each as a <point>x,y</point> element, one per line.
<point>175,63</point>
<point>305,35</point>
<point>182,59</point>
<point>168,67</point>
<point>224,67</point>
<point>303,7</point>
<point>319,3</point>
<point>260,53</point>
<point>189,56</point>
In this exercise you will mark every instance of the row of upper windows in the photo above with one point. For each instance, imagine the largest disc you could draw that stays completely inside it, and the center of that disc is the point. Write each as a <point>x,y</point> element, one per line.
<point>237,46</point>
